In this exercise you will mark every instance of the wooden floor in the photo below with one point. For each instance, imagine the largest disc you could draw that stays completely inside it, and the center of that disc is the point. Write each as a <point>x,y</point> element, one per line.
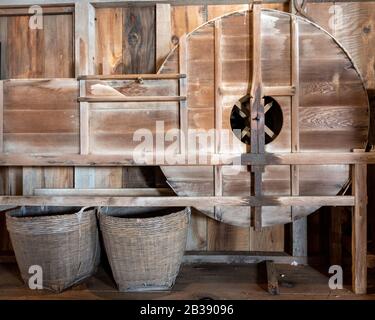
<point>214,281</point>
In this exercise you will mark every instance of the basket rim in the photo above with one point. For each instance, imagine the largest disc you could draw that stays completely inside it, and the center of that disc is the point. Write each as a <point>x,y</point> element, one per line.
<point>185,211</point>
<point>85,211</point>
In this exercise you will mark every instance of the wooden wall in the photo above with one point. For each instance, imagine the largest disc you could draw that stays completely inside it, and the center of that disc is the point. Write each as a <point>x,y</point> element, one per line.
<point>353,25</point>
<point>34,53</point>
<point>126,43</point>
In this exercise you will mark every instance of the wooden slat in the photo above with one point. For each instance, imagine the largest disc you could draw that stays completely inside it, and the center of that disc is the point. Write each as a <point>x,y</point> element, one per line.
<point>25,11</point>
<point>359,229</point>
<point>163,32</point>
<point>177,201</point>
<point>1,116</point>
<point>159,76</point>
<point>84,115</point>
<point>299,227</point>
<point>237,257</point>
<point>256,110</point>
<point>300,158</point>
<point>131,99</point>
<point>279,91</point>
<point>183,92</point>
<point>84,38</point>
<point>218,177</point>
<point>133,192</point>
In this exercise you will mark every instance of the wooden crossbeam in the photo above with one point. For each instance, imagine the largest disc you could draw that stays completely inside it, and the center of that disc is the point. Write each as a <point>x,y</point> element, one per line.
<point>176,201</point>
<point>157,76</point>
<point>131,99</point>
<point>298,158</point>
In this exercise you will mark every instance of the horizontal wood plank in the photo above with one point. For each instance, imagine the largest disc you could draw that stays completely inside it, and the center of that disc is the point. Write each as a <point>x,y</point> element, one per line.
<point>158,76</point>
<point>131,99</point>
<point>300,158</point>
<point>177,201</point>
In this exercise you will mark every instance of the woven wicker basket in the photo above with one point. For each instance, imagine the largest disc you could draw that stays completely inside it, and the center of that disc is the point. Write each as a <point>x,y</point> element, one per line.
<point>144,248</point>
<point>64,242</point>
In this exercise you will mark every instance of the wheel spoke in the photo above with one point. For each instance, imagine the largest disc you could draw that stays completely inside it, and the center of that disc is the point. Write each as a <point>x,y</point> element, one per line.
<point>267,107</point>
<point>269,132</point>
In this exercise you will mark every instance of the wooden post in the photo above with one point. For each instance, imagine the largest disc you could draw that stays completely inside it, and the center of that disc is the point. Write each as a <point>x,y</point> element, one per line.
<point>84,120</point>
<point>272,278</point>
<point>359,229</point>
<point>256,110</point>
<point>183,92</point>
<point>299,227</point>
<point>218,177</point>
<point>1,115</point>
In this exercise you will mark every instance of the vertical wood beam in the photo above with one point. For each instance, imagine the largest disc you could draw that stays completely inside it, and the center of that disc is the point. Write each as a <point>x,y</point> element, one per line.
<point>218,177</point>
<point>183,92</point>
<point>256,109</point>
<point>163,32</point>
<point>84,120</point>
<point>84,48</point>
<point>299,227</point>
<point>359,229</point>
<point>272,278</point>
<point>84,45</point>
<point>1,116</point>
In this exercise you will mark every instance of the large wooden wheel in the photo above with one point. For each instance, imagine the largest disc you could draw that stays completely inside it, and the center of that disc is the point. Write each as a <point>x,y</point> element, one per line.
<point>316,102</point>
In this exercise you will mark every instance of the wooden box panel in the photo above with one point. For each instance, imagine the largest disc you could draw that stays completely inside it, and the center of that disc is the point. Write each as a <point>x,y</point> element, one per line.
<point>41,116</point>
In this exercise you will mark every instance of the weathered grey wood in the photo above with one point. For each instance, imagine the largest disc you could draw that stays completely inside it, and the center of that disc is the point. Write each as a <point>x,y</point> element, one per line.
<point>279,91</point>
<point>218,177</point>
<point>163,32</point>
<point>359,229</point>
<point>272,278</point>
<point>240,257</point>
<point>256,109</point>
<point>299,158</point>
<point>177,201</point>
<point>1,115</point>
<point>299,227</point>
<point>84,37</point>
<point>156,76</point>
<point>25,11</point>
<point>112,3</point>
<point>131,99</point>
<point>133,192</point>
<point>182,65</point>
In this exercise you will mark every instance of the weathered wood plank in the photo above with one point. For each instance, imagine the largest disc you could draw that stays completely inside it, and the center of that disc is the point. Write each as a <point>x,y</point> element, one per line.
<point>359,229</point>
<point>1,116</point>
<point>240,257</point>
<point>149,76</point>
<point>272,278</point>
<point>133,192</point>
<point>179,201</point>
<point>163,32</point>
<point>56,10</point>
<point>110,99</point>
<point>256,109</point>
<point>301,158</point>
<point>139,39</point>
